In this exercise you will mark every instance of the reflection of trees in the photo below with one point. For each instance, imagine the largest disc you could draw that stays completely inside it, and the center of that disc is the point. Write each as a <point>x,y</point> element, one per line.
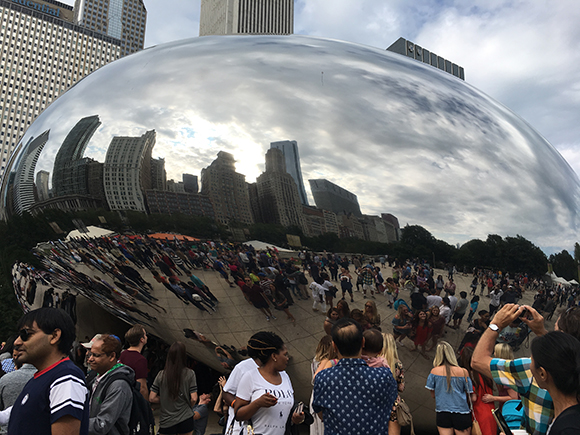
<point>513,254</point>
<point>564,265</point>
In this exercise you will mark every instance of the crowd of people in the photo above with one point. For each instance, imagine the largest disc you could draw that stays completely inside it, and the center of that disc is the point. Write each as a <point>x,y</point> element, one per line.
<point>358,377</point>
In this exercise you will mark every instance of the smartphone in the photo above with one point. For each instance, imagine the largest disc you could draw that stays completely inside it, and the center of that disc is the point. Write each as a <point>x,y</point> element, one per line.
<point>501,422</point>
<point>300,408</point>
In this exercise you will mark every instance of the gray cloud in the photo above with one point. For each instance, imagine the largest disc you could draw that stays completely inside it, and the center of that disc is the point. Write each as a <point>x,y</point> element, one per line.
<point>523,54</point>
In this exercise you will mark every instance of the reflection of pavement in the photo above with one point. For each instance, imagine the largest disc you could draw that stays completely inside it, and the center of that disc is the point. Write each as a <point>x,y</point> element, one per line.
<point>235,321</point>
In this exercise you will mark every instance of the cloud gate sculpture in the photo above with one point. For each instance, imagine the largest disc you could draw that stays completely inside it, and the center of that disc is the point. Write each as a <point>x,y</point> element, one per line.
<point>406,138</point>
<point>403,136</point>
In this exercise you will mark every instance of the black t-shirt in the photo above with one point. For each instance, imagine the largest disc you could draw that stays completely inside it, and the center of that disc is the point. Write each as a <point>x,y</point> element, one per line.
<point>567,423</point>
<point>418,300</point>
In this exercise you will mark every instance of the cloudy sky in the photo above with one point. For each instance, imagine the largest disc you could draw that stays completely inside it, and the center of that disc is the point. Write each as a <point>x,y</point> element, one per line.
<point>522,53</point>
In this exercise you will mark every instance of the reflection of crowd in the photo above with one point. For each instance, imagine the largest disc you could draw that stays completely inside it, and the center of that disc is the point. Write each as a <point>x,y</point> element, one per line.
<point>427,308</point>
<point>119,263</point>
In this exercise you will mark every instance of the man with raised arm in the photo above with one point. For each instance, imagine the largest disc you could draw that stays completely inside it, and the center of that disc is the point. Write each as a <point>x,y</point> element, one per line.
<point>516,374</point>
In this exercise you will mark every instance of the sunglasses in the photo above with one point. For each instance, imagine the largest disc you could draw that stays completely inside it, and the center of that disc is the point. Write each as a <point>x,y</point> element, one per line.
<point>26,333</point>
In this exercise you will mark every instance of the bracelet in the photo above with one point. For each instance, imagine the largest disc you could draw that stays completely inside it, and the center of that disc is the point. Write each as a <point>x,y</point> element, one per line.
<point>232,404</point>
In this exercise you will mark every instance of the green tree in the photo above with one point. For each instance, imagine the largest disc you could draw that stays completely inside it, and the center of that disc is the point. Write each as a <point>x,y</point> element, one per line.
<point>564,265</point>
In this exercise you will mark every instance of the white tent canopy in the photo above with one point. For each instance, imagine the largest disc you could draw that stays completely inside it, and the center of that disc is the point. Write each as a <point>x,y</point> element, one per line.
<point>558,280</point>
<point>262,246</point>
<point>93,232</point>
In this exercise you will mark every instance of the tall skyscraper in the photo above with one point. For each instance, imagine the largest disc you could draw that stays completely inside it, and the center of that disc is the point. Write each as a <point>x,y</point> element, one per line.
<point>121,19</point>
<point>258,17</point>
<point>290,150</point>
<point>190,183</point>
<point>158,174</point>
<point>127,171</point>
<point>43,54</point>
<point>66,179</point>
<point>227,190</point>
<point>278,194</point>
<point>329,196</point>
<point>24,178</point>
<point>42,191</point>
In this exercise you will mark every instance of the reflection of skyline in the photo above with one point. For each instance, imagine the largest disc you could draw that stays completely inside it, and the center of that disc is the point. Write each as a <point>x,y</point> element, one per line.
<point>131,179</point>
<point>403,136</point>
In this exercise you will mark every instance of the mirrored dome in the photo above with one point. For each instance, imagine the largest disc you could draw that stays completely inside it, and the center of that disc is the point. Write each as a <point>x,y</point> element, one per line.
<point>406,138</point>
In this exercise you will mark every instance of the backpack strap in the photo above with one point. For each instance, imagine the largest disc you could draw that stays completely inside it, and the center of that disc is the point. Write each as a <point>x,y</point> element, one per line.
<point>115,376</point>
<point>108,381</point>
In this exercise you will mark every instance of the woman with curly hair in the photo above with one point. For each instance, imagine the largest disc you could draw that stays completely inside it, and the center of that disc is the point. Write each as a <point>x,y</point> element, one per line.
<point>266,395</point>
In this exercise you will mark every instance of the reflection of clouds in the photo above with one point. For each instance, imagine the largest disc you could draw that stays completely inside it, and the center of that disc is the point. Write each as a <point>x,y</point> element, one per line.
<point>403,136</point>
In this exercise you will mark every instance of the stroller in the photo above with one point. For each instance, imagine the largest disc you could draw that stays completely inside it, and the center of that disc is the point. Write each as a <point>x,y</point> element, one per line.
<point>513,413</point>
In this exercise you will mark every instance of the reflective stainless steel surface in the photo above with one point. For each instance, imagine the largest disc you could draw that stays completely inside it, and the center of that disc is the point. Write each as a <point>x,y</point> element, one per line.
<point>404,137</point>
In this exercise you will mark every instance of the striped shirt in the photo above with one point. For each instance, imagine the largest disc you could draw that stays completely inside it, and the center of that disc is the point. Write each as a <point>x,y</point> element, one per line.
<point>55,392</point>
<point>538,405</point>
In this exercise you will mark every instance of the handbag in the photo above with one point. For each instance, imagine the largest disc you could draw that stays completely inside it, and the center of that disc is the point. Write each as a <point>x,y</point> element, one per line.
<point>404,416</point>
<point>246,429</point>
<point>475,428</point>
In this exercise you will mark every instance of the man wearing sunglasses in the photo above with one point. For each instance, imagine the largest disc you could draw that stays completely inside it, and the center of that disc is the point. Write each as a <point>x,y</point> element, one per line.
<point>55,400</point>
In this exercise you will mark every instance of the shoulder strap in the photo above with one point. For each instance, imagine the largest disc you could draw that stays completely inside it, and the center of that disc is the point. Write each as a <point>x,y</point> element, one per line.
<point>469,398</point>
<point>115,377</point>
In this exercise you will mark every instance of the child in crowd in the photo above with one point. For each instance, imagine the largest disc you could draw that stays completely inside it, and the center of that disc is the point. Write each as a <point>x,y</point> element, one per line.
<point>473,308</point>
<point>373,345</point>
<point>474,285</point>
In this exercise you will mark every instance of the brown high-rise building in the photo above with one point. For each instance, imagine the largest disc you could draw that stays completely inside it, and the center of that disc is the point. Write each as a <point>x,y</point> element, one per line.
<point>127,171</point>
<point>44,54</point>
<point>227,190</point>
<point>257,17</point>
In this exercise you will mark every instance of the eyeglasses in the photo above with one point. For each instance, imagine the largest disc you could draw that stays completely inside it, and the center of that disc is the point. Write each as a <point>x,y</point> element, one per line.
<point>26,333</point>
<point>96,355</point>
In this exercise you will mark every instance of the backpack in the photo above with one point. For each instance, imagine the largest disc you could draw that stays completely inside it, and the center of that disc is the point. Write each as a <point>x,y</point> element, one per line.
<point>141,421</point>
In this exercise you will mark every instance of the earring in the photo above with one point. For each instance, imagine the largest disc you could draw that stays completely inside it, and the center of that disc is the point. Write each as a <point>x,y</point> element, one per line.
<point>275,360</point>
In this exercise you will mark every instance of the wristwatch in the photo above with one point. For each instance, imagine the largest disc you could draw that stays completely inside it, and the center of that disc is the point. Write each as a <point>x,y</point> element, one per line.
<point>493,327</point>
